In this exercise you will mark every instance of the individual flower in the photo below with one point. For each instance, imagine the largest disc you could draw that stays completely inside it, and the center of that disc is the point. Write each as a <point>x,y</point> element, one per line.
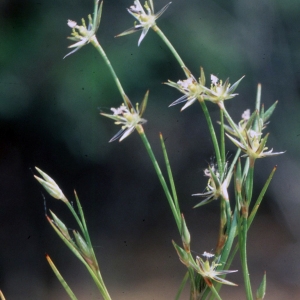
<point>250,129</point>
<point>246,115</point>
<point>127,116</point>
<point>216,186</point>
<point>219,91</point>
<point>244,125</point>
<point>191,89</point>
<point>209,272</point>
<point>83,35</point>
<point>254,145</point>
<point>146,18</point>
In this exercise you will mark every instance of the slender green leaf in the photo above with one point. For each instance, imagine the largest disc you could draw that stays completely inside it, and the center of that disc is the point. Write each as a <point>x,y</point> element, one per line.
<point>96,276</point>
<point>182,285</point>
<point>257,105</point>
<point>162,180</point>
<point>71,208</point>
<point>222,143</point>
<point>260,293</point>
<point>268,113</point>
<point>169,170</point>
<point>260,197</point>
<point>84,226</point>
<point>70,244</point>
<point>61,279</point>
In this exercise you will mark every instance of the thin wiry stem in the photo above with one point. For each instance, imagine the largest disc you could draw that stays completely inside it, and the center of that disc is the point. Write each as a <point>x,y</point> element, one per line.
<point>98,47</point>
<point>160,177</point>
<point>170,46</point>
<point>212,133</point>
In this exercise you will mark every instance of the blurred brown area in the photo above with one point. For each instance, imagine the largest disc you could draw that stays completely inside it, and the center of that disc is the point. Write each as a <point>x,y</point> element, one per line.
<point>49,117</point>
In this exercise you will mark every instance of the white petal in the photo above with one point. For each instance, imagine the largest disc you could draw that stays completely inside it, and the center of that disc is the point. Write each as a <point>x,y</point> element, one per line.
<point>144,32</point>
<point>214,79</point>
<point>71,23</point>
<point>127,133</point>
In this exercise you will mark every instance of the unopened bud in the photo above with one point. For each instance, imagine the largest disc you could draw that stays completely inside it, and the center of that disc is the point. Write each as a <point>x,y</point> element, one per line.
<point>50,185</point>
<point>61,226</point>
<point>82,245</point>
<point>183,256</point>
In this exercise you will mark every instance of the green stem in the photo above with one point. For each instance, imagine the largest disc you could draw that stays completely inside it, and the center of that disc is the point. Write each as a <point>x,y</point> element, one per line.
<point>212,133</point>
<point>60,278</point>
<point>222,142</point>
<point>223,223</point>
<point>96,2</point>
<point>214,292</point>
<point>171,180</point>
<point>170,46</point>
<point>193,290</point>
<point>253,213</point>
<point>182,285</point>
<point>243,254</point>
<point>229,215</point>
<point>249,182</point>
<point>160,177</point>
<point>225,253</point>
<point>85,232</point>
<point>237,155</point>
<point>96,44</point>
<point>257,106</point>
<point>232,255</point>
<point>207,116</point>
<point>71,208</point>
<point>83,227</point>
<point>260,197</point>
<point>95,275</point>
<point>243,229</point>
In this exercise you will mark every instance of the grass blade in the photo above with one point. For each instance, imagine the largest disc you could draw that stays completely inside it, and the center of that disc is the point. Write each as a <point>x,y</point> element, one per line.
<point>61,279</point>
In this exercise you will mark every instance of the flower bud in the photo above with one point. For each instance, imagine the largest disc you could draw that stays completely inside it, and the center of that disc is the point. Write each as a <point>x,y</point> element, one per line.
<point>50,185</point>
<point>183,256</point>
<point>61,226</point>
<point>82,245</point>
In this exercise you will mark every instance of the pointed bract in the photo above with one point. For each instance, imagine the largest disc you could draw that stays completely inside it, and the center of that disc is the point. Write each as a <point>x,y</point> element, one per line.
<point>191,89</point>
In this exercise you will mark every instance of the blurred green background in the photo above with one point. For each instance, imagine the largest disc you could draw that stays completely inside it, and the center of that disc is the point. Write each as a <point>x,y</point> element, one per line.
<point>49,116</point>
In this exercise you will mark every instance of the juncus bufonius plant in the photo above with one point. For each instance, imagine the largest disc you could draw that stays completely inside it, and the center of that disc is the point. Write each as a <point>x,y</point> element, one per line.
<point>206,275</point>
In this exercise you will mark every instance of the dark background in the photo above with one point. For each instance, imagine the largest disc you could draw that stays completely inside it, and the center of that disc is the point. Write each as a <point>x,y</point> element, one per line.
<point>49,117</point>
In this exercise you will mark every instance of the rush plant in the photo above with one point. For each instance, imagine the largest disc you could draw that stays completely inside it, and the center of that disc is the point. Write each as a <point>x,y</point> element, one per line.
<point>205,274</point>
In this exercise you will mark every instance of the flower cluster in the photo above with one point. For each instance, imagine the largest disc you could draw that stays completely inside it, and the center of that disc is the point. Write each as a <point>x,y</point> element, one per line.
<point>193,90</point>
<point>216,186</point>
<point>250,130</point>
<point>209,272</point>
<point>127,116</point>
<point>83,35</point>
<point>146,18</point>
<point>219,91</point>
